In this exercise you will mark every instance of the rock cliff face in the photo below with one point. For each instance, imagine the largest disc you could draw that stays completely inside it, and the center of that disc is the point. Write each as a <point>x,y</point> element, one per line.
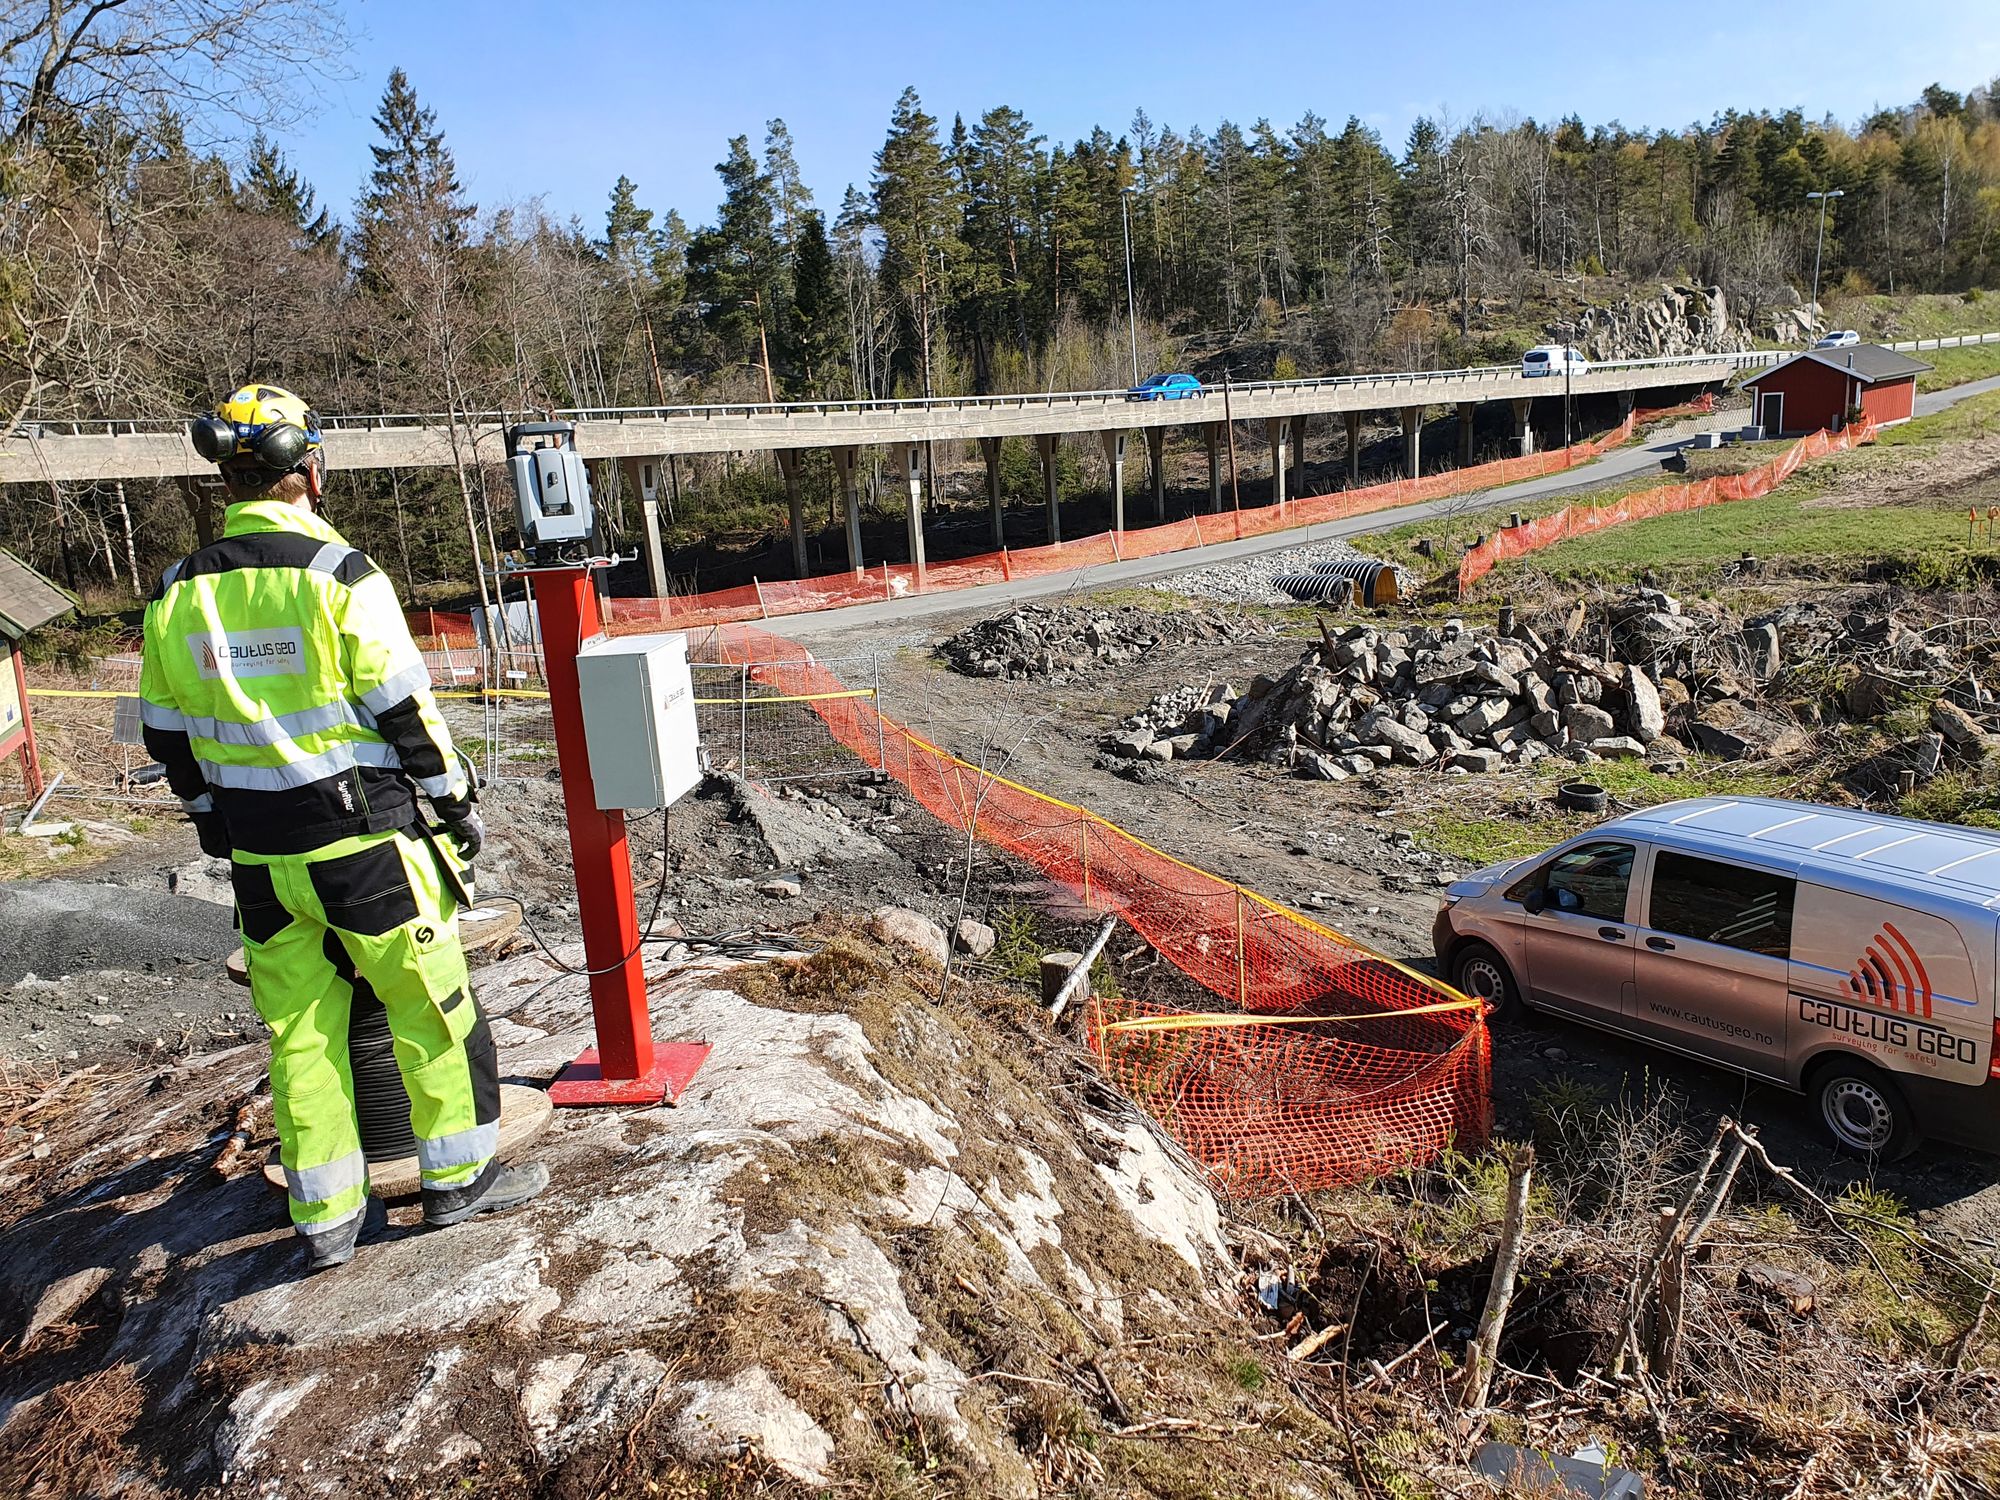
<point>1677,320</point>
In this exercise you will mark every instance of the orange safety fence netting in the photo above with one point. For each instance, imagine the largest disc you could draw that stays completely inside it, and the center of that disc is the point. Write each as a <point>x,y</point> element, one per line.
<point>882,581</point>
<point>1579,520</point>
<point>1373,1066</point>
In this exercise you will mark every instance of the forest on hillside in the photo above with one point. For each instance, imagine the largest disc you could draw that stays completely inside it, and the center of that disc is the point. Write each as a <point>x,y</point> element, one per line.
<point>156,248</point>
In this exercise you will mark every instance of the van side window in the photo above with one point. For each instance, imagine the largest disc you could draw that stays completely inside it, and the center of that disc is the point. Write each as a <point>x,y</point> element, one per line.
<point>1715,902</point>
<point>1589,881</point>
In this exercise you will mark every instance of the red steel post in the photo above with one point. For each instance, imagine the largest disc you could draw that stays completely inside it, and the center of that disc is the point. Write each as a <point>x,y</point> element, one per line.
<point>567,603</point>
<point>623,1068</point>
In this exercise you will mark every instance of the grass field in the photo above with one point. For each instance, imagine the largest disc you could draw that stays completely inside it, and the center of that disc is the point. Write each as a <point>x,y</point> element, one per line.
<point>1951,367</point>
<point>1927,315</point>
<point>1928,540</point>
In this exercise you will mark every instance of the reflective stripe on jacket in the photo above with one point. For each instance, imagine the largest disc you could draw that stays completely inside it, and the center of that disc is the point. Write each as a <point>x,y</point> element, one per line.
<point>280,687</point>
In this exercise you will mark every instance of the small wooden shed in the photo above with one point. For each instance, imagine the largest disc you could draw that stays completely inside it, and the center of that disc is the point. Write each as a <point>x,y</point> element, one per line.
<point>1821,387</point>
<point>28,601</point>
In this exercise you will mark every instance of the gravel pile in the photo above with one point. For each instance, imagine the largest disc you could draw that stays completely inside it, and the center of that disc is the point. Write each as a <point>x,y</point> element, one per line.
<point>1253,579</point>
<point>1040,641</point>
<point>59,927</point>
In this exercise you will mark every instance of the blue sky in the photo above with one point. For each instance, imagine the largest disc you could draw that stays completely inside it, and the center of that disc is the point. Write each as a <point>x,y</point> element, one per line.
<point>555,100</point>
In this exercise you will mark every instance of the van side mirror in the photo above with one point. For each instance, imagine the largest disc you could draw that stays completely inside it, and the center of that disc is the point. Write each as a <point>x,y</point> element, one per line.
<point>1535,901</point>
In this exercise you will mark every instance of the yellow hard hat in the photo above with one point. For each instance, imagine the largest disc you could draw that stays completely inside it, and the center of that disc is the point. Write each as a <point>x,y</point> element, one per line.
<point>264,424</point>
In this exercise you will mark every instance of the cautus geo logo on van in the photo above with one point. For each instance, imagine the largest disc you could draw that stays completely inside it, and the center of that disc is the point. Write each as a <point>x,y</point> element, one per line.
<point>1907,988</point>
<point>1887,1002</point>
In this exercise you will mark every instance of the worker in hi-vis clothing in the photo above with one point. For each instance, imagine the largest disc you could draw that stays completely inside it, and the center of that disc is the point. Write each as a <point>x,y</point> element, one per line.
<point>282,692</point>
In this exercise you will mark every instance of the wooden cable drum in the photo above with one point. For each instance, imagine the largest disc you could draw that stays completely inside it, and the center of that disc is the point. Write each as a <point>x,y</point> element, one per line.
<point>524,1115</point>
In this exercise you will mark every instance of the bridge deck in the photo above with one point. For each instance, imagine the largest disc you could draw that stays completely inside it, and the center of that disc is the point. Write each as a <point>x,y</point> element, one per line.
<point>158,448</point>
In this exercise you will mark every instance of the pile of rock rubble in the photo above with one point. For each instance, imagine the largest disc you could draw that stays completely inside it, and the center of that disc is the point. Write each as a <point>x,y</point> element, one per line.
<point>1660,681</point>
<point>1043,641</point>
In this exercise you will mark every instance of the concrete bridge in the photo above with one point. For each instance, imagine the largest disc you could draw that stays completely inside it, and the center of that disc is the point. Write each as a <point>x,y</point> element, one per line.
<point>641,438</point>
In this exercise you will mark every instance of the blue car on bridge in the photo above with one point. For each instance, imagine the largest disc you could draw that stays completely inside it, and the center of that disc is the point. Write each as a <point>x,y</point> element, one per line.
<point>1166,388</point>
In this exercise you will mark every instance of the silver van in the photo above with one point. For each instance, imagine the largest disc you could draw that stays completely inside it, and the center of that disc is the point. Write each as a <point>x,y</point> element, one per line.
<point>1846,955</point>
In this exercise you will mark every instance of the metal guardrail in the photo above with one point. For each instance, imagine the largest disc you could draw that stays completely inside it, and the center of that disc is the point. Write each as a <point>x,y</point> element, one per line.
<point>1049,400</point>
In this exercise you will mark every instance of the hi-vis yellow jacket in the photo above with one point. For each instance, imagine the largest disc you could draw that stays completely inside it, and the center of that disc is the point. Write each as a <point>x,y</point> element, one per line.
<point>280,687</point>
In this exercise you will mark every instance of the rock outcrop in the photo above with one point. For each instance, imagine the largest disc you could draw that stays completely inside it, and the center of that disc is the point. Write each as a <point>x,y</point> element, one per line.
<point>1676,320</point>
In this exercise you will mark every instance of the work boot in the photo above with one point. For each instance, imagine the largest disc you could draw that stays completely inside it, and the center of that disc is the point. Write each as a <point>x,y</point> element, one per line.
<point>334,1246</point>
<point>497,1190</point>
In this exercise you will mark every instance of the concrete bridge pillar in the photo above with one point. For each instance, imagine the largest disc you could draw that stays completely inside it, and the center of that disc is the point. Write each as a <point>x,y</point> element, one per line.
<point>1156,469</point>
<point>1045,445</point>
<point>1524,434</point>
<point>788,465</point>
<point>911,458</point>
<point>1413,437</point>
<point>1298,488</point>
<point>990,447</point>
<point>1466,409</point>
<point>1277,429</point>
<point>850,495</point>
<point>643,474</point>
<point>1353,420</point>
<point>1114,460</point>
<point>1211,436</point>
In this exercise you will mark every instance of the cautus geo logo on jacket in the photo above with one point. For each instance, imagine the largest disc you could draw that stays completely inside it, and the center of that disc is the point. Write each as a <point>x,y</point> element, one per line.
<point>249,653</point>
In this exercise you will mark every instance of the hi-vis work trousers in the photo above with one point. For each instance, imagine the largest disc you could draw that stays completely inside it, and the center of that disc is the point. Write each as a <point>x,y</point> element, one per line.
<point>367,913</point>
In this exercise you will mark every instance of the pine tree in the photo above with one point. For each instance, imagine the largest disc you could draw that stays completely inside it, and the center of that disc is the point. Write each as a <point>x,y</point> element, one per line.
<point>791,199</point>
<point>917,211</point>
<point>273,187</point>
<point>819,316</point>
<point>736,270</point>
<point>629,242</point>
<point>1004,158</point>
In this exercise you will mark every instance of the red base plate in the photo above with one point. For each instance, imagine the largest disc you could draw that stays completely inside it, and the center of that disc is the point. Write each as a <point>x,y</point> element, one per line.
<point>674,1067</point>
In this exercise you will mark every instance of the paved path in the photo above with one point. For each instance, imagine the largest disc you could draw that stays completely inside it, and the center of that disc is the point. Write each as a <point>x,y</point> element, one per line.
<point>1621,463</point>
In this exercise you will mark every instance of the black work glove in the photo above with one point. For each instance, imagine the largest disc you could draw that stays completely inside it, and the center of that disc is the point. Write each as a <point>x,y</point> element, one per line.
<point>213,831</point>
<point>466,831</point>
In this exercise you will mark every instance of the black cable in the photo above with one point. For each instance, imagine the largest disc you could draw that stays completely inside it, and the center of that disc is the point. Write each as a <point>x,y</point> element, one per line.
<point>645,930</point>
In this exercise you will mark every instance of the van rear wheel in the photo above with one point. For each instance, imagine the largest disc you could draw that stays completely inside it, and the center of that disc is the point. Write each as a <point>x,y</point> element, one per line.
<point>1863,1113</point>
<point>1482,974</point>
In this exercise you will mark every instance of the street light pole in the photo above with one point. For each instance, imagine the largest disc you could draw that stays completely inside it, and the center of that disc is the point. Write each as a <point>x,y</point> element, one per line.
<point>1819,240</point>
<point>1131,301</point>
<point>1568,420</point>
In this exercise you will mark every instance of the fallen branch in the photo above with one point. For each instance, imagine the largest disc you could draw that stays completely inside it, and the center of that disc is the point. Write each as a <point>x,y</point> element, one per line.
<point>1312,1343</point>
<point>1079,977</point>
<point>1484,1352</point>
<point>1383,1372</point>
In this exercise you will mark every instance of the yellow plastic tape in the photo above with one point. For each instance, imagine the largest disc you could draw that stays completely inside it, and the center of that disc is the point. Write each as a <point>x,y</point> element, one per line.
<point>1232,1018</point>
<point>39,692</point>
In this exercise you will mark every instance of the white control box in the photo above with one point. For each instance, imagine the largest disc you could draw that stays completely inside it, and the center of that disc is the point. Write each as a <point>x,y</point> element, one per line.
<point>638,720</point>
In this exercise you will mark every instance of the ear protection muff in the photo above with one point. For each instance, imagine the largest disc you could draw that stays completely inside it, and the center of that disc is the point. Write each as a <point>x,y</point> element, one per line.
<point>277,446</point>
<point>214,438</point>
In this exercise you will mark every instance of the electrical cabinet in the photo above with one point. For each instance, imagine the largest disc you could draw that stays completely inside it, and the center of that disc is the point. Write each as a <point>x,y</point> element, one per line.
<point>638,720</point>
